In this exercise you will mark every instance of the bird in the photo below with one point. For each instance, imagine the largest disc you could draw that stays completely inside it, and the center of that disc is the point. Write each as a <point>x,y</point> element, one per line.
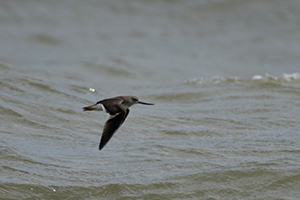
<point>118,110</point>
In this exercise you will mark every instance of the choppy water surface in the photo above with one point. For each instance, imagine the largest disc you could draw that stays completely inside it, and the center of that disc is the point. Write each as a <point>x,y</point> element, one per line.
<point>224,77</point>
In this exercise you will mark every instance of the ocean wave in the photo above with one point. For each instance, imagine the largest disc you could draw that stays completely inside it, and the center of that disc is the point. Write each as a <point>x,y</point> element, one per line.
<point>283,78</point>
<point>293,77</point>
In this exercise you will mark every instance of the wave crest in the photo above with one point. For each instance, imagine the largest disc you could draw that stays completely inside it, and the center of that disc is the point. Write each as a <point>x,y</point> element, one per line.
<point>293,77</point>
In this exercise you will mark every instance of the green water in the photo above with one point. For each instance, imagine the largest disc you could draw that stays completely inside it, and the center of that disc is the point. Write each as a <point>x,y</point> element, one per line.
<point>224,77</point>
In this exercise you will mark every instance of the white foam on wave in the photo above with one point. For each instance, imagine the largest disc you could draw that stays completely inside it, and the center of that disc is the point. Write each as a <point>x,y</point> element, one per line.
<point>282,78</point>
<point>201,80</point>
<point>293,77</point>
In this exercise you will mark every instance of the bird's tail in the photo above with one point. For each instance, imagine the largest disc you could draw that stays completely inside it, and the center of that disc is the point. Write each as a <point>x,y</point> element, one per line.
<point>96,107</point>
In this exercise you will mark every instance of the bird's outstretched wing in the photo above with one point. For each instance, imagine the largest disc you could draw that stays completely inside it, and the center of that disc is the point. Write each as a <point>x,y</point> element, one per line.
<point>111,126</point>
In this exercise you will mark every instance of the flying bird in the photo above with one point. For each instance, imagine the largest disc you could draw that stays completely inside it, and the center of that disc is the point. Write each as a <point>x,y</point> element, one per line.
<point>118,110</point>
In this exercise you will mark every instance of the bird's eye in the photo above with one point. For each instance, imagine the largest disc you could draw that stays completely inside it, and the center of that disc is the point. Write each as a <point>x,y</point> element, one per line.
<point>135,99</point>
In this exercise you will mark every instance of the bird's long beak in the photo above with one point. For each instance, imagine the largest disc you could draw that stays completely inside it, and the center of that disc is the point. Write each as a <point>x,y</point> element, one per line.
<point>140,102</point>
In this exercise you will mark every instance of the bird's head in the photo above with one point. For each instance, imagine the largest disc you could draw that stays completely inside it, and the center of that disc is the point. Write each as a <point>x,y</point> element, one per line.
<point>135,100</point>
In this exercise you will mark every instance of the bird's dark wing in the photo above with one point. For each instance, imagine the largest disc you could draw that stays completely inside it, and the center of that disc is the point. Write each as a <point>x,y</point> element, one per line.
<point>111,126</point>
